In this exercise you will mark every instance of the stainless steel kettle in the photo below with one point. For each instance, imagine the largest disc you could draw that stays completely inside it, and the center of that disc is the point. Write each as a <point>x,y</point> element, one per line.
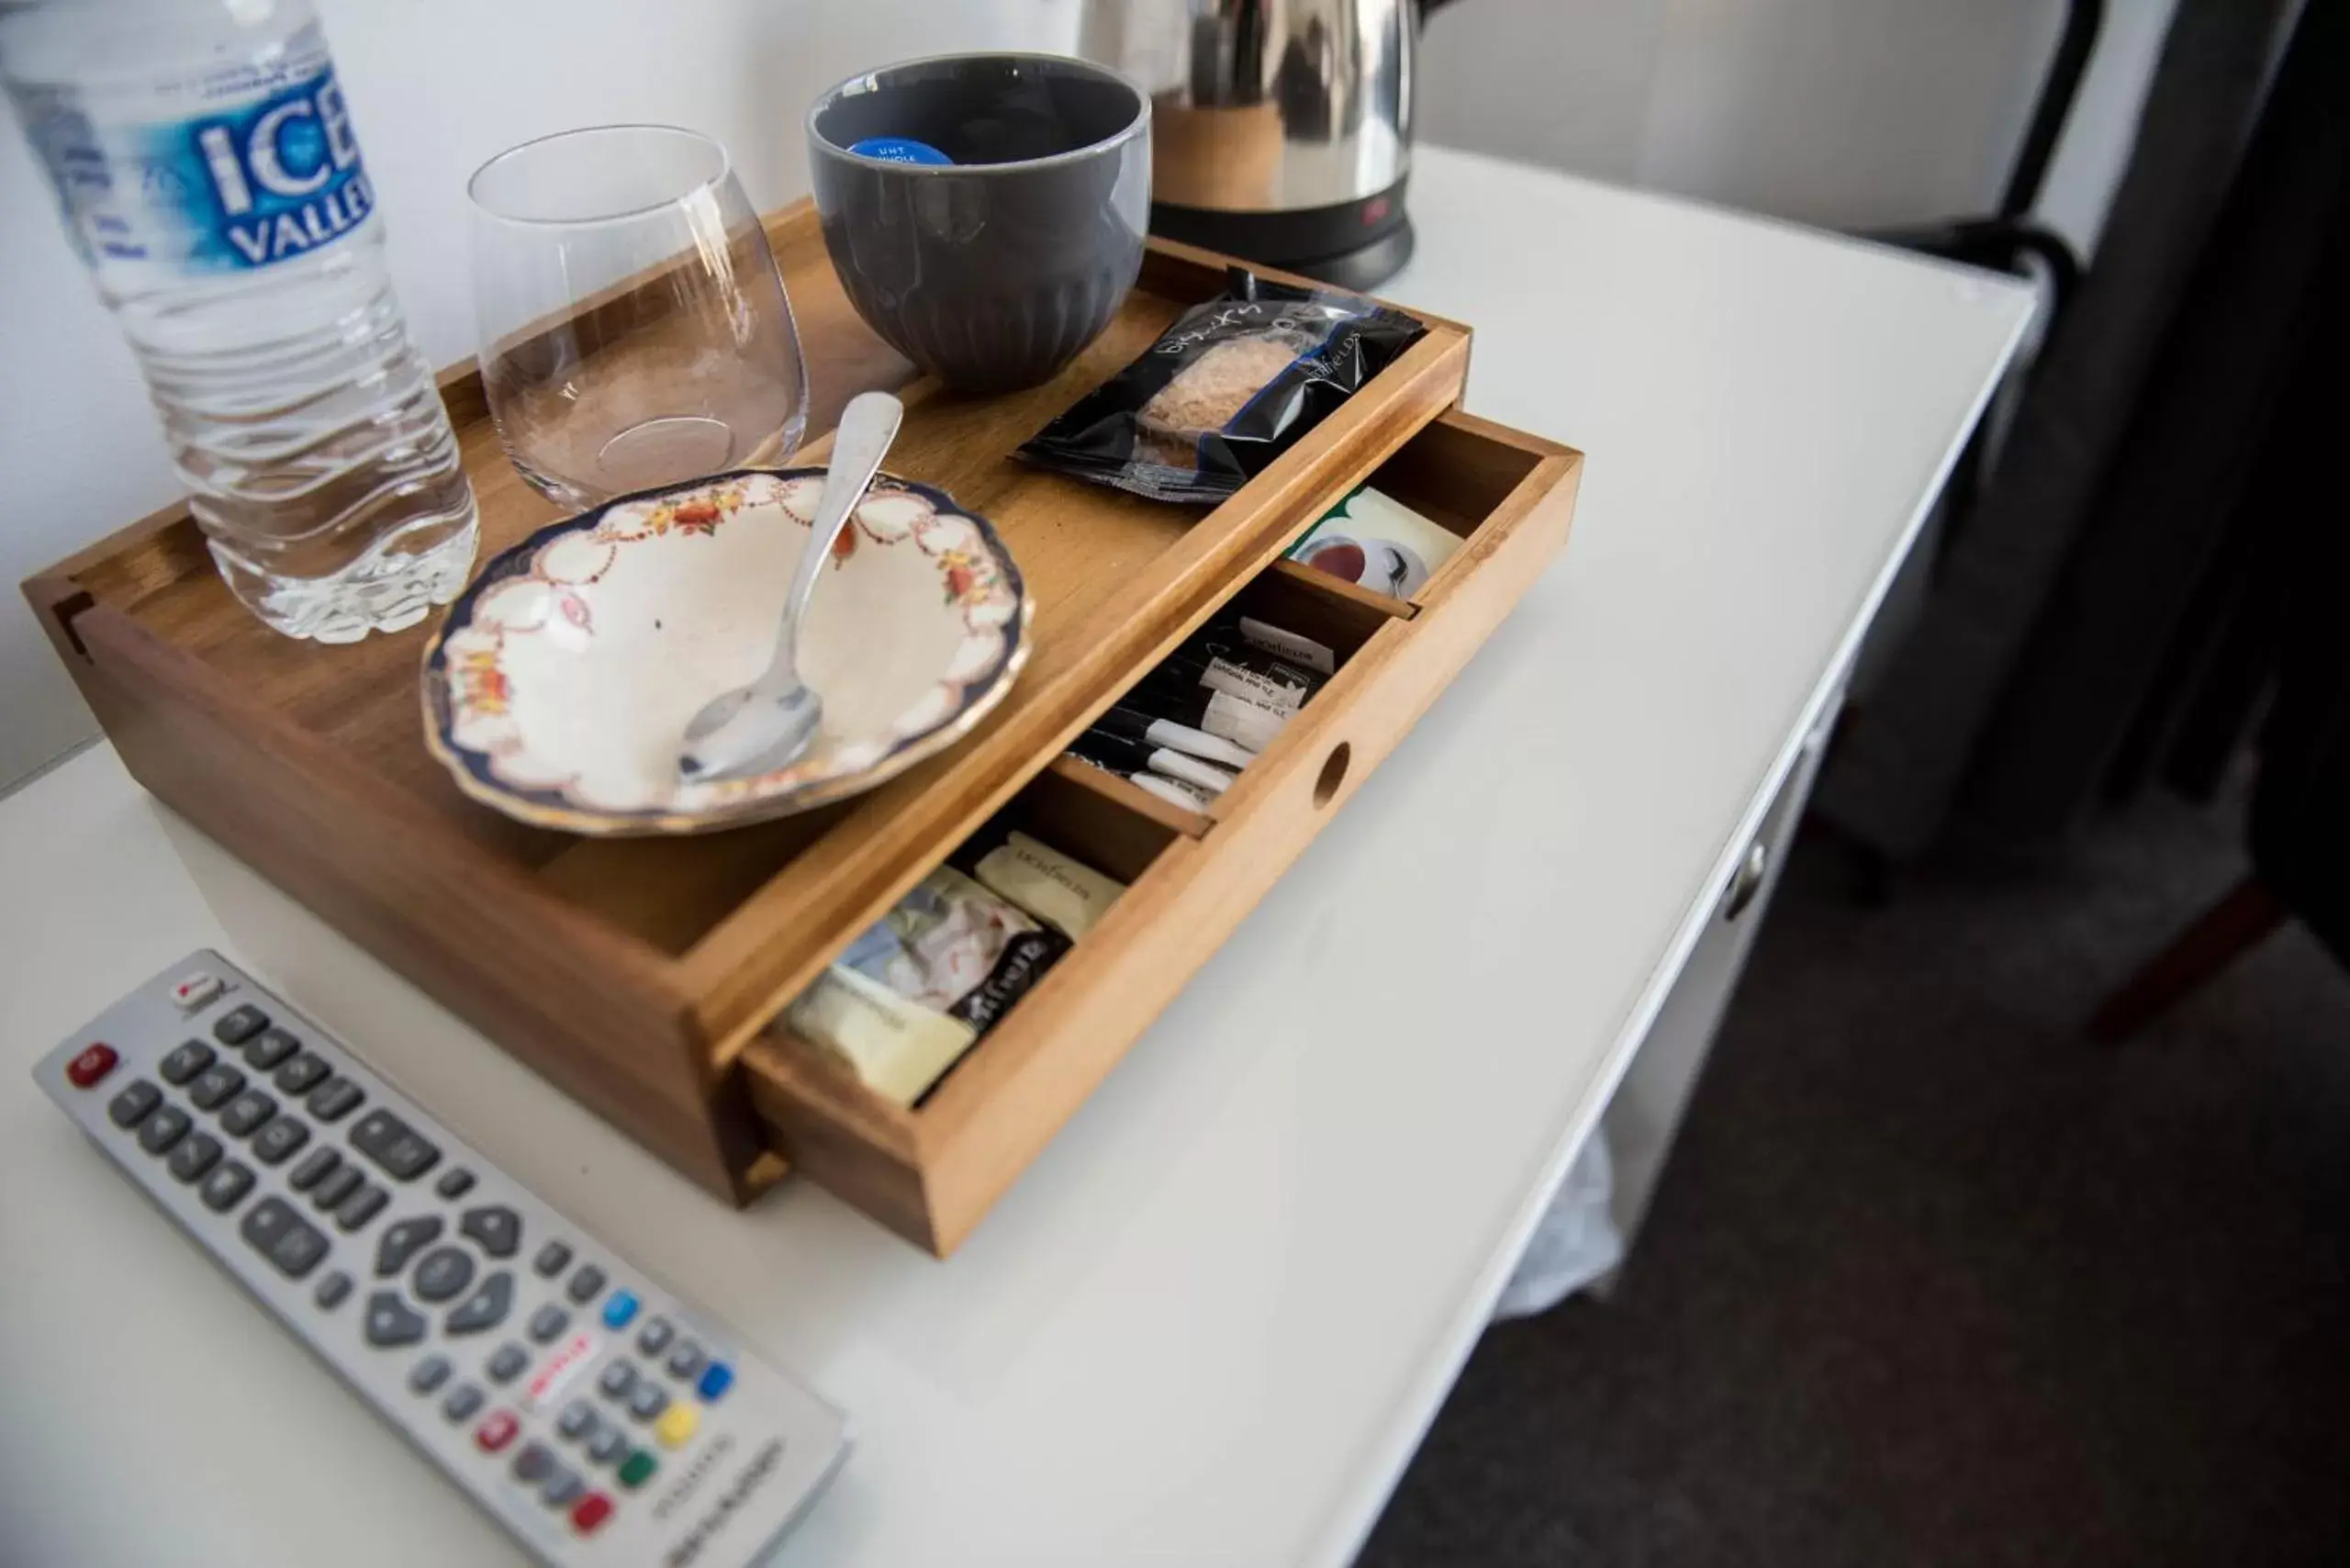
<point>1281,129</point>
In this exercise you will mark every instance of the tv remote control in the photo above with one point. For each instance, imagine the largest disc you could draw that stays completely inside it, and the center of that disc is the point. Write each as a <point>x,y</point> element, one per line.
<point>594,1414</point>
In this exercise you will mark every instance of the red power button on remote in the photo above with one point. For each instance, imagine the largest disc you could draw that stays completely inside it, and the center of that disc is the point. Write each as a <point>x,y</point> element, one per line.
<point>496,1431</point>
<point>85,1069</point>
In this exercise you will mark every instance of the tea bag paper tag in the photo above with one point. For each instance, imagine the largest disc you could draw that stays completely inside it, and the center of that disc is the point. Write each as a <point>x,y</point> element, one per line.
<point>1289,646</point>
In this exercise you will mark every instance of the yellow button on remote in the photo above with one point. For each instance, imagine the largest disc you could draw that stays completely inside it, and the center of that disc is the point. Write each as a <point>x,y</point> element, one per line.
<point>678,1425</point>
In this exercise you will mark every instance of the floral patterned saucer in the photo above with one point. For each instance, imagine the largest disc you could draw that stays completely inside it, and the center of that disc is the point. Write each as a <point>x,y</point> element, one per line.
<point>558,689</point>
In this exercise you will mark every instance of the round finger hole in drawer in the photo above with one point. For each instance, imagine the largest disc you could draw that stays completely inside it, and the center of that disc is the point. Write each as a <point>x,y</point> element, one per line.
<point>1334,773</point>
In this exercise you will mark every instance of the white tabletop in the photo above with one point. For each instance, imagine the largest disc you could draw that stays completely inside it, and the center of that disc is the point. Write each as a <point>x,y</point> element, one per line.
<point>1211,1323</point>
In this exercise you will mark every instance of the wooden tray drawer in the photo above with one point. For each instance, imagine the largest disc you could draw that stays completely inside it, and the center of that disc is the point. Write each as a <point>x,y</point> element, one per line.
<point>932,1172</point>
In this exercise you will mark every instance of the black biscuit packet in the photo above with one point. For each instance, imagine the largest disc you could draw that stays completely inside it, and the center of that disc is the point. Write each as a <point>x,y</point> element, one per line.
<point>1230,387</point>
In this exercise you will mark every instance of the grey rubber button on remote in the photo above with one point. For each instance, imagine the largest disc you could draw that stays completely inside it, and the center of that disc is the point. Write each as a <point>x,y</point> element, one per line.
<point>302,1074</point>
<point>587,1283</point>
<point>270,1049</point>
<point>535,1462</point>
<point>430,1374</point>
<point>551,1260</point>
<point>332,1289</point>
<point>486,1308</point>
<point>391,1322</point>
<point>246,1112</point>
<point>164,1128</point>
<point>496,1229</point>
<point>298,1251</point>
<point>686,1360</point>
<point>402,1241</point>
<point>314,1170</point>
<point>507,1363</point>
<point>403,1153</point>
<point>652,1336</point>
<point>272,1229</point>
<point>548,1322</point>
<point>617,1380</point>
<point>332,1101</point>
<point>578,1419</point>
<point>336,1186</point>
<point>214,1085</point>
<point>278,1140</point>
<point>361,1207</point>
<point>648,1401</point>
<point>444,1272</point>
<point>561,1487</point>
<point>199,1153</point>
<point>188,1058</point>
<point>239,1024</point>
<point>463,1400</point>
<point>226,1186</point>
<point>132,1105</point>
<point>607,1445</point>
<point>455,1183</point>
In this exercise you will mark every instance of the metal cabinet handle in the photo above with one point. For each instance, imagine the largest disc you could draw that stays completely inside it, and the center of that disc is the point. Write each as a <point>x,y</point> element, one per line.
<point>1747,881</point>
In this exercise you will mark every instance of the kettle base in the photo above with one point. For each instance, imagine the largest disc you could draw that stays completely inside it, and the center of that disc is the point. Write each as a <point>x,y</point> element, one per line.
<point>1365,268</point>
<point>1355,246</point>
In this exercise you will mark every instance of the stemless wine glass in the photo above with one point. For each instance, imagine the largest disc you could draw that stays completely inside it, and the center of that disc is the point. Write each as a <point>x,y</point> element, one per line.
<point>633,327</point>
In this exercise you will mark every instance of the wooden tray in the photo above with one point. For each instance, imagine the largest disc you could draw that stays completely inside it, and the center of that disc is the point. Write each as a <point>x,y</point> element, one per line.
<point>642,975</point>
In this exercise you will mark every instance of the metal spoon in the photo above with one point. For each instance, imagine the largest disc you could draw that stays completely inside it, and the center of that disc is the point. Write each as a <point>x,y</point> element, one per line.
<point>761,727</point>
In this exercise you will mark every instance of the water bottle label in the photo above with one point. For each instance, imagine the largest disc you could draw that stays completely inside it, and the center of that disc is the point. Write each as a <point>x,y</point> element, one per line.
<point>280,178</point>
<point>230,186</point>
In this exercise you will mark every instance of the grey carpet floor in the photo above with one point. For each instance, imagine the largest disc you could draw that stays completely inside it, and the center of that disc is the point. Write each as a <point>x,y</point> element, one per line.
<point>1932,1281</point>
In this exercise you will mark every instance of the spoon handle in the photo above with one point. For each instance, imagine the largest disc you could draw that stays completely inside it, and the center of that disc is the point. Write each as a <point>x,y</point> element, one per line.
<point>867,426</point>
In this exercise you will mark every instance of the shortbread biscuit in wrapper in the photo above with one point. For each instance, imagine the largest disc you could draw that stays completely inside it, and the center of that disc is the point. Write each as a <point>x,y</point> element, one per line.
<point>1209,393</point>
<point>1231,385</point>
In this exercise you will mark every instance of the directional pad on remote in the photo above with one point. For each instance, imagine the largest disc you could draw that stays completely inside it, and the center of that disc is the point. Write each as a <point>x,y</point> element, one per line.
<point>486,1308</point>
<point>444,1272</point>
<point>403,1241</point>
<point>495,1228</point>
<point>391,1322</point>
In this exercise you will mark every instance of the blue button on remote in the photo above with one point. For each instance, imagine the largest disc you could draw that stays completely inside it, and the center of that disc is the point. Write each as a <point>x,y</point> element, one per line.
<point>619,1309</point>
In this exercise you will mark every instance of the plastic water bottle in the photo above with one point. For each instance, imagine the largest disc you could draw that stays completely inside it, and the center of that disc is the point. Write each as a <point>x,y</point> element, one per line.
<point>210,177</point>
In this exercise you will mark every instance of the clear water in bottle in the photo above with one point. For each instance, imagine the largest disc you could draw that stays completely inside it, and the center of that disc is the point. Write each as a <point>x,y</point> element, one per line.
<point>205,160</point>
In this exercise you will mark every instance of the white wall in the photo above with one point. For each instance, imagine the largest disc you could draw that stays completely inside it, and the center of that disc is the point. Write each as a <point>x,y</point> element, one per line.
<point>1836,111</point>
<point>1849,113</point>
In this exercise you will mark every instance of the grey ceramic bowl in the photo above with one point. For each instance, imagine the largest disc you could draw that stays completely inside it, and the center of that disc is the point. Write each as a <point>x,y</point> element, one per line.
<point>993,272</point>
